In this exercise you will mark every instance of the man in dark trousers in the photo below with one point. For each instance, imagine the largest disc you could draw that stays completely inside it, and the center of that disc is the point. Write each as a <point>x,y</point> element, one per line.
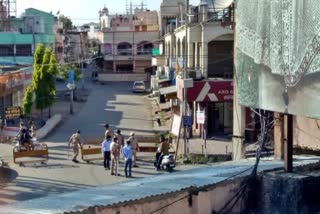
<point>105,149</point>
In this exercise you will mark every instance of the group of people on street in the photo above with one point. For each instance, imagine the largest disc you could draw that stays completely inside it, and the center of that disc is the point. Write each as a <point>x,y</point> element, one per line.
<point>111,148</point>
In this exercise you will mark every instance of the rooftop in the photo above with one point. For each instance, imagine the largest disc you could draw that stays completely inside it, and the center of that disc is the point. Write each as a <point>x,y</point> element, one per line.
<point>144,188</point>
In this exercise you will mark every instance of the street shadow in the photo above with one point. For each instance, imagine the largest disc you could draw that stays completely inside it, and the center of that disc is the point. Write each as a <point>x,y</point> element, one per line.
<point>135,171</point>
<point>122,103</point>
<point>56,166</point>
<point>132,118</point>
<point>136,130</point>
<point>32,187</point>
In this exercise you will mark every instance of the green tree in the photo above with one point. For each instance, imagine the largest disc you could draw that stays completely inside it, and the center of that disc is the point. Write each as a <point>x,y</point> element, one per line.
<point>37,76</point>
<point>64,72</point>
<point>43,78</point>
<point>27,101</point>
<point>51,80</point>
<point>66,22</point>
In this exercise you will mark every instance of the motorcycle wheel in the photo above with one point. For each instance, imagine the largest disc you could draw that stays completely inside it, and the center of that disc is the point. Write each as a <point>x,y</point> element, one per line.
<point>169,168</point>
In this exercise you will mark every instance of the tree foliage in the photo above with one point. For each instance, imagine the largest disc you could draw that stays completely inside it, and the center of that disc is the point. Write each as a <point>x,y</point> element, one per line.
<point>66,22</point>
<point>27,101</point>
<point>43,77</point>
<point>52,73</point>
<point>64,72</point>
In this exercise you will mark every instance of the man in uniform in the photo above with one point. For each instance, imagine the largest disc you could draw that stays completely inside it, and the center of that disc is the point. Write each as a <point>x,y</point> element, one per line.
<point>120,139</point>
<point>108,132</point>
<point>135,147</point>
<point>76,143</point>
<point>115,153</point>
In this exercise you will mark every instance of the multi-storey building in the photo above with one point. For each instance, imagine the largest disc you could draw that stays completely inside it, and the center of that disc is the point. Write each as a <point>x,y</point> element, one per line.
<point>33,27</point>
<point>206,42</point>
<point>126,42</point>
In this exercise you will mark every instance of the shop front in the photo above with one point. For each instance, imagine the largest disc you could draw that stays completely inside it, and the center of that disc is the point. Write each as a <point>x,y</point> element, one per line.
<point>11,91</point>
<point>214,99</point>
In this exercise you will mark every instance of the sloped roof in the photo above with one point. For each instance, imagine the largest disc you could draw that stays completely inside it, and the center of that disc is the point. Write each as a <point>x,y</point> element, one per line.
<point>144,188</point>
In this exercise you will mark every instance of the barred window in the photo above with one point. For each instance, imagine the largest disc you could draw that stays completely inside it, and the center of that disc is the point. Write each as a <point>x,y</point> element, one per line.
<point>6,50</point>
<point>24,50</point>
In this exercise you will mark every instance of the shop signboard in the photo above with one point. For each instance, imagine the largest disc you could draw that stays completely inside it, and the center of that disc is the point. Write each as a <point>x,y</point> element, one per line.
<point>12,112</point>
<point>209,91</point>
<point>176,123</point>
<point>187,121</point>
<point>155,52</point>
<point>201,117</point>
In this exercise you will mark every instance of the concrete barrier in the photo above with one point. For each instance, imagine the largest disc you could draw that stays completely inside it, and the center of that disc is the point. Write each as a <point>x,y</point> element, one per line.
<point>49,126</point>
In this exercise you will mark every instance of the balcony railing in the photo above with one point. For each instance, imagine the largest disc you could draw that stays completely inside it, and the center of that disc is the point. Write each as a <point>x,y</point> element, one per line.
<point>124,52</point>
<point>144,52</point>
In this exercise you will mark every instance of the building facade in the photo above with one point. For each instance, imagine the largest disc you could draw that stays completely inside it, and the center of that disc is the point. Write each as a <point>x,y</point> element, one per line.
<point>127,41</point>
<point>207,44</point>
<point>32,28</point>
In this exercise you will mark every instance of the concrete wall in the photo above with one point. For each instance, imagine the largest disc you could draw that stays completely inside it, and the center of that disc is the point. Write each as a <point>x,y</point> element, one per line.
<point>306,133</point>
<point>113,77</point>
<point>189,201</point>
<point>288,193</point>
<point>49,126</point>
<point>273,192</point>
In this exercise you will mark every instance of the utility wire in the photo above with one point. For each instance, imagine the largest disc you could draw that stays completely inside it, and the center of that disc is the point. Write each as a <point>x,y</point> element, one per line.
<point>199,188</point>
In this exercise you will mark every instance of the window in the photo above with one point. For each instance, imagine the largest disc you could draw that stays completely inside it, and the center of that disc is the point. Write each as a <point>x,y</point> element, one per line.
<point>23,50</point>
<point>6,50</point>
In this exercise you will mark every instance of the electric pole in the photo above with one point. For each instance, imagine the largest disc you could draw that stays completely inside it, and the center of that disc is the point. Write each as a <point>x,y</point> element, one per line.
<point>185,103</point>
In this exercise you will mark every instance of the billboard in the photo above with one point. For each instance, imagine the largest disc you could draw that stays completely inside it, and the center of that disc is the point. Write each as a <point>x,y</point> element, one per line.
<point>278,55</point>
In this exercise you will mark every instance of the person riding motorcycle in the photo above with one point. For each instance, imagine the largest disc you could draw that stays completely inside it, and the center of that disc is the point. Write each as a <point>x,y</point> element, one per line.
<point>162,151</point>
<point>24,137</point>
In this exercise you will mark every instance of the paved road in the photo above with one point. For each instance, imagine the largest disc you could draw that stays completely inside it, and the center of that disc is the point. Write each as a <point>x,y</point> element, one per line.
<point>112,103</point>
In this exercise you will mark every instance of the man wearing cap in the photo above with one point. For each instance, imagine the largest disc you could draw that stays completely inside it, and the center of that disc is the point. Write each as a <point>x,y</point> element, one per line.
<point>108,131</point>
<point>76,143</point>
<point>135,147</point>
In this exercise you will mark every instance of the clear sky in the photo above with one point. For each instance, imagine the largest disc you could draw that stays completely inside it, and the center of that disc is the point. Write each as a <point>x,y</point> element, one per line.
<point>84,11</point>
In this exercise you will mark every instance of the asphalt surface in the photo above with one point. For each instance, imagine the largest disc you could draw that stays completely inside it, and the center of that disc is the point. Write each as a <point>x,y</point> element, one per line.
<point>112,103</point>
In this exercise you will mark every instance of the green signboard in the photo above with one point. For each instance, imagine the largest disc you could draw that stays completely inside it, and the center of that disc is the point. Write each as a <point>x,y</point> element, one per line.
<point>155,52</point>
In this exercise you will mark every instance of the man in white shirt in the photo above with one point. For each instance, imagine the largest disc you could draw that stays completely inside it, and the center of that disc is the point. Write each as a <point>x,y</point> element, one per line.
<point>105,149</point>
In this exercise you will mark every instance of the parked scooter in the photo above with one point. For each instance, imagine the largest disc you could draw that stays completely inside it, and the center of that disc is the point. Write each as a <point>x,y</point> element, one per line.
<point>167,163</point>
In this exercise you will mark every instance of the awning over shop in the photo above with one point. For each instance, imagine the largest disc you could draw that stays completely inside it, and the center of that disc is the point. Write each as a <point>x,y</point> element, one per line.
<point>163,80</point>
<point>168,90</point>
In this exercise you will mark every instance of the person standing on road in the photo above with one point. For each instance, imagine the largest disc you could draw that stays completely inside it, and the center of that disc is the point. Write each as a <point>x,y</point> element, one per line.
<point>135,148</point>
<point>105,149</point>
<point>75,140</point>
<point>127,154</point>
<point>108,132</point>
<point>115,153</point>
<point>120,139</point>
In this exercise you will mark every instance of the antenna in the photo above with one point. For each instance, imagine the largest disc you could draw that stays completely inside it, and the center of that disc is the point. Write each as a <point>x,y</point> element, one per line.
<point>127,7</point>
<point>142,6</point>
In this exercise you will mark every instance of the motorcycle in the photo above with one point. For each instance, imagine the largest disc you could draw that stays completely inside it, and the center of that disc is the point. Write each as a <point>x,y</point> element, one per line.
<point>168,163</point>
